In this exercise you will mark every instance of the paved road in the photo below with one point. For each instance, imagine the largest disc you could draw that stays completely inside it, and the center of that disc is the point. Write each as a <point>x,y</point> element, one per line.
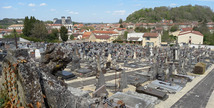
<point>199,95</point>
<point>93,81</point>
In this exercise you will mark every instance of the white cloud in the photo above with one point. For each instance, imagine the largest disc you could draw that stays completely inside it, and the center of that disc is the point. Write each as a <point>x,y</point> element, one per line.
<point>31,5</point>
<point>108,11</point>
<point>173,4</point>
<point>53,10</point>
<point>119,12</point>
<point>72,12</point>
<point>7,7</point>
<point>42,4</point>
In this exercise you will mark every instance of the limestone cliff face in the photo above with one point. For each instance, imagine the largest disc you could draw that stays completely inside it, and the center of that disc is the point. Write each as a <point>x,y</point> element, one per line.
<point>35,86</point>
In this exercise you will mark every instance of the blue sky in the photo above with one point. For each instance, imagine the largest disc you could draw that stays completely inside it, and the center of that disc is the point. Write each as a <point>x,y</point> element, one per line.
<point>107,11</point>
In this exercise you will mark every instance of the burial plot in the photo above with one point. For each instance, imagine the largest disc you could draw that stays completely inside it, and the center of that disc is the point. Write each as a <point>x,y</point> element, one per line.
<point>151,91</point>
<point>65,75</point>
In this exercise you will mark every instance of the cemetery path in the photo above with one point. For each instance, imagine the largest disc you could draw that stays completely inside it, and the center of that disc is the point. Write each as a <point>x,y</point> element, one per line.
<point>199,95</point>
<point>93,81</point>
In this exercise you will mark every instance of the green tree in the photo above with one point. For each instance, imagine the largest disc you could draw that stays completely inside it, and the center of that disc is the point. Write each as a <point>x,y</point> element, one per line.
<point>63,33</point>
<point>53,36</point>
<point>26,30</point>
<point>14,32</point>
<point>121,26</point>
<point>125,35</point>
<point>28,25</point>
<point>165,37</point>
<point>72,37</point>
<point>213,18</point>
<point>120,21</point>
<point>174,28</point>
<point>48,22</point>
<point>177,14</point>
<point>39,31</point>
<point>142,29</point>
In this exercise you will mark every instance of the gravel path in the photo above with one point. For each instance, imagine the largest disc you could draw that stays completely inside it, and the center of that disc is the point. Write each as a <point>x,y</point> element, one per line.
<point>199,95</point>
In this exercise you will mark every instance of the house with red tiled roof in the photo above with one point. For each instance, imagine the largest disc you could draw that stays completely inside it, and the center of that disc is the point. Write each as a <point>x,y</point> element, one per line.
<point>211,29</point>
<point>113,34</point>
<point>100,38</point>
<point>187,29</point>
<point>184,25</point>
<point>190,37</point>
<point>210,24</point>
<point>120,31</point>
<point>86,35</point>
<point>16,26</point>
<point>9,31</point>
<point>151,39</point>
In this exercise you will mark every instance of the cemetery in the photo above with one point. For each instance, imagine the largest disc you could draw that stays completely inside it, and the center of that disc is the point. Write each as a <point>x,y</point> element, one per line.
<point>100,75</point>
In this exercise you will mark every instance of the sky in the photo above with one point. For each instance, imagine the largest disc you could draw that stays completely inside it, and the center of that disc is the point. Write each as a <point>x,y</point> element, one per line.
<point>86,11</point>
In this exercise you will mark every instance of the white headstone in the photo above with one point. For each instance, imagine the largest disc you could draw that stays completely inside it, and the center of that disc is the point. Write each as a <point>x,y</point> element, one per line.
<point>37,54</point>
<point>109,58</point>
<point>134,55</point>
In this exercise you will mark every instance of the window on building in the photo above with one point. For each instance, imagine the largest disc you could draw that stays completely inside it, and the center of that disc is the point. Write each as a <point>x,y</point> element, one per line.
<point>147,38</point>
<point>147,43</point>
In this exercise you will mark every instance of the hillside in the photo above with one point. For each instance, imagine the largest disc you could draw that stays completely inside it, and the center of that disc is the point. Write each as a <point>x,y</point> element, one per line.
<point>177,14</point>
<point>4,23</point>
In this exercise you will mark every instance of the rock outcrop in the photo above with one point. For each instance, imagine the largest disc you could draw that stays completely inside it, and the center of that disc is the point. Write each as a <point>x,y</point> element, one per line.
<point>36,86</point>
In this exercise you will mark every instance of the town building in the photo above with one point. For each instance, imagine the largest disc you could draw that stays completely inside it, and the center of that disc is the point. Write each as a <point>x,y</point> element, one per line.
<point>100,38</point>
<point>210,24</point>
<point>65,22</point>
<point>190,37</point>
<point>135,36</point>
<point>151,39</point>
<point>113,34</point>
<point>16,27</point>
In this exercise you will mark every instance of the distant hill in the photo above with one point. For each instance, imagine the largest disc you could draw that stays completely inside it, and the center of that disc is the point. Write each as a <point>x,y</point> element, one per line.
<point>4,23</point>
<point>177,14</point>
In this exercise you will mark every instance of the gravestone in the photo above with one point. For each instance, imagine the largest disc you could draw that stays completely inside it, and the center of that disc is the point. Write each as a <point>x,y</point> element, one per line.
<point>101,80</point>
<point>123,81</point>
<point>37,54</point>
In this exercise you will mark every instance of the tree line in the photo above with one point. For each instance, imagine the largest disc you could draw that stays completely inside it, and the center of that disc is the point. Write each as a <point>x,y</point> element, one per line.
<point>36,30</point>
<point>177,14</point>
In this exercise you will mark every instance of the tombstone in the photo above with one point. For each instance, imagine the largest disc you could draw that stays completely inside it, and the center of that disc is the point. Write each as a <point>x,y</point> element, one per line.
<point>100,92</point>
<point>134,57</point>
<point>75,64</point>
<point>101,80</point>
<point>123,81</point>
<point>37,54</point>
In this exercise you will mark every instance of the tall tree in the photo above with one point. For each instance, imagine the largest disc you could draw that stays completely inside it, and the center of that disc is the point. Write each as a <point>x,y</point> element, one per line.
<point>29,25</point>
<point>39,31</point>
<point>63,33</point>
<point>120,21</point>
<point>26,30</point>
<point>125,35</point>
